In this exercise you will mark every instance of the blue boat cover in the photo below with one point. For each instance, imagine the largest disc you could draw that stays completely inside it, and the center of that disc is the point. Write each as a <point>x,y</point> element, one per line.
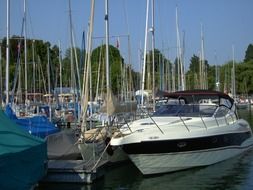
<point>23,157</point>
<point>38,126</point>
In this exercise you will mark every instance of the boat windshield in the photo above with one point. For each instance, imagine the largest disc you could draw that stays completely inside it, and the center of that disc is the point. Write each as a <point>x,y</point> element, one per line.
<point>187,110</point>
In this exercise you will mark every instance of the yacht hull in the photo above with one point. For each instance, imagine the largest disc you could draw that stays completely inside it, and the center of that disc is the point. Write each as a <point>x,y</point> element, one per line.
<point>170,162</point>
<point>193,128</point>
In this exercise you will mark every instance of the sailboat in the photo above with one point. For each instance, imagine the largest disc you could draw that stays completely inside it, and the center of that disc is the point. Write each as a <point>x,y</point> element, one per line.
<point>36,124</point>
<point>94,142</point>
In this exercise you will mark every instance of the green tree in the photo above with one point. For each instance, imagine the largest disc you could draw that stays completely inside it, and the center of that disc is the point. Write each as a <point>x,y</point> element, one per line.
<point>249,53</point>
<point>39,56</point>
<point>193,74</point>
<point>161,64</point>
<point>115,61</point>
<point>194,64</point>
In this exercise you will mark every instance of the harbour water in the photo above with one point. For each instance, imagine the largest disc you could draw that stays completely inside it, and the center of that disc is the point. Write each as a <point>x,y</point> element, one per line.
<point>233,174</point>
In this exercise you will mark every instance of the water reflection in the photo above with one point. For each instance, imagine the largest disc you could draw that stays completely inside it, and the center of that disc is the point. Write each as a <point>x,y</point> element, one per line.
<point>225,175</point>
<point>235,173</point>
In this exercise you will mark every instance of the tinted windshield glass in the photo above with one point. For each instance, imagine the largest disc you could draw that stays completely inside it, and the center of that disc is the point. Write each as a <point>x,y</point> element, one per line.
<point>189,110</point>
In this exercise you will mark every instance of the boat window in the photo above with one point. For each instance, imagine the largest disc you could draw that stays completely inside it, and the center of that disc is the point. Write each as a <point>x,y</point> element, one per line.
<point>186,110</point>
<point>222,111</point>
<point>207,110</point>
<point>169,109</point>
<point>225,102</point>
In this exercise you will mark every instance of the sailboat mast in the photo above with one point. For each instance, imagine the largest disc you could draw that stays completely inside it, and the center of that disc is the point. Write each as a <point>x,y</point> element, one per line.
<point>183,63</point>
<point>25,44</point>
<point>99,71</point>
<point>107,53</point>
<point>71,49</point>
<point>233,73</point>
<point>7,53</point>
<point>153,50</point>
<point>84,99</point>
<point>144,54</point>
<point>60,62</point>
<point>34,88</point>
<point>178,54</point>
<point>217,74</point>
<point>49,84</point>
<point>180,68</point>
<point>48,71</point>
<point>202,61</point>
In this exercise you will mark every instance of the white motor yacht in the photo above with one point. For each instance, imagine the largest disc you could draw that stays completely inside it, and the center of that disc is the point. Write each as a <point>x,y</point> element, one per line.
<point>193,128</point>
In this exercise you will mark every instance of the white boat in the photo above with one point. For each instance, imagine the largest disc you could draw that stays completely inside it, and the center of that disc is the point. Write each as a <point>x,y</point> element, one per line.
<point>195,128</point>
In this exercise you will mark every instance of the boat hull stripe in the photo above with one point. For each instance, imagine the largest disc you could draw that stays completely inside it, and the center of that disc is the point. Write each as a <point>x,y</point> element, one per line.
<point>185,145</point>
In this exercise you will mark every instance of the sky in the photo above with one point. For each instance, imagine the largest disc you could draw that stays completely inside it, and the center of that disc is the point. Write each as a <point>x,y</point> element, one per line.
<point>226,23</point>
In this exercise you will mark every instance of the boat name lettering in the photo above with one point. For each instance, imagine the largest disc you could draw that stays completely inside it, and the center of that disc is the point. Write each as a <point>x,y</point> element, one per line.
<point>181,144</point>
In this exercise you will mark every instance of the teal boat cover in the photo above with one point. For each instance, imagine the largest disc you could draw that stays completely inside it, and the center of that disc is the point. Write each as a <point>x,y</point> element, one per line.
<point>23,157</point>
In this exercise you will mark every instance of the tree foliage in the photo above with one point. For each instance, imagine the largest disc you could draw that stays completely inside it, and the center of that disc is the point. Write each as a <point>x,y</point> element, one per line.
<point>37,52</point>
<point>249,53</point>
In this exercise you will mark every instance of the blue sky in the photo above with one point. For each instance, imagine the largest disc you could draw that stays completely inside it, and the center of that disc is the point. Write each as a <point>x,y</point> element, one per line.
<point>225,23</point>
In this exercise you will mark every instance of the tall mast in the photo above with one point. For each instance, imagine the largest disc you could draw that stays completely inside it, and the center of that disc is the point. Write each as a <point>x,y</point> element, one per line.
<point>183,62</point>
<point>71,48</point>
<point>153,50</point>
<point>140,54</point>
<point>49,83</point>
<point>180,69</point>
<point>84,99</point>
<point>7,53</point>
<point>25,51</point>
<point>60,62</point>
<point>48,71</point>
<point>107,53</point>
<point>233,73</point>
<point>144,54</point>
<point>99,71</point>
<point>178,54</point>
<point>33,54</point>
<point>217,74</point>
<point>203,75</point>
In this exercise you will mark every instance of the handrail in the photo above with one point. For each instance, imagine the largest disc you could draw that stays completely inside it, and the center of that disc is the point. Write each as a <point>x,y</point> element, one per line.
<point>203,121</point>
<point>228,114</point>
<point>214,115</point>
<point>127,125</point>
<point>155,123</point>
<point>183,122</point>
<point>216,121</point>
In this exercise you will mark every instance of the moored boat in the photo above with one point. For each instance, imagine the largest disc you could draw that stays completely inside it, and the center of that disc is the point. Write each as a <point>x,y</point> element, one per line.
<point>37,125</point>
<point>195,128</point>
<point>23,157</point>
